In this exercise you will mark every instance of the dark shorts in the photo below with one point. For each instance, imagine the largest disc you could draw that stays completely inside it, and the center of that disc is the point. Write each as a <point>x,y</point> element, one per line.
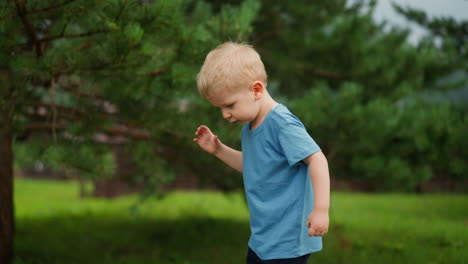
<point>252,258</point>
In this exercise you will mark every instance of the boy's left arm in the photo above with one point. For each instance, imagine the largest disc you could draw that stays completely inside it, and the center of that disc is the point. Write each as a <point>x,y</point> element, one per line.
<point>318,220</point>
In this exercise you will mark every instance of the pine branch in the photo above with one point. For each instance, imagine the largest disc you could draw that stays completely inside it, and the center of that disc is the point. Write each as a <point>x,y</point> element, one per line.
<point>101,67</point>
<point>50,8</point>
<point>67,86</point>
<point>43,109</point>
<point>99,138</point>
<point>124,5</point>
<point>103,105</point>
<point>62,35</point>
<point>155,72</point>
<point>37,126</point>
<point>123,129</point>
<point>40,108</point>
<point>116,130</point>
<point>138,133</point>
<point>69,115</point>
<point>32,38</point>
<point>82,94</point>
<point>327,74</point>
<point>113,71</point>
<point>86,45</point>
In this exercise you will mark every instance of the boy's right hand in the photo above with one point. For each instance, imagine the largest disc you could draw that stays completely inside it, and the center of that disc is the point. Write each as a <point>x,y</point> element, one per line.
<point>206,140</point>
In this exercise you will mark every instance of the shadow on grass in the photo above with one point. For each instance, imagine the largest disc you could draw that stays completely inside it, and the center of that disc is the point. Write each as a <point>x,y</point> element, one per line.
<point>109,239</point>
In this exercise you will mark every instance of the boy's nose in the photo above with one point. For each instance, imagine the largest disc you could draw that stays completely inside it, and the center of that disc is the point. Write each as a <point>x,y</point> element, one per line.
<point>226,114</point>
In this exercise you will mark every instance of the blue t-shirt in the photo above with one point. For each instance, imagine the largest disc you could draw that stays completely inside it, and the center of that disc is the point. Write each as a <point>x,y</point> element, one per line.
<point>278,186</point>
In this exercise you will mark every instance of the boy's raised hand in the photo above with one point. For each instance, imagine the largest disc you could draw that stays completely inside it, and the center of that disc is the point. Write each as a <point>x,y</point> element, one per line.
<point>206,140</point>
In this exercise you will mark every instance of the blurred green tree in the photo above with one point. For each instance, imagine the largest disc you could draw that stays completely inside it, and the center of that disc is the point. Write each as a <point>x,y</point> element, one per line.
<point>79,77</point>
<point>368,96</point>
<point>387,113</point>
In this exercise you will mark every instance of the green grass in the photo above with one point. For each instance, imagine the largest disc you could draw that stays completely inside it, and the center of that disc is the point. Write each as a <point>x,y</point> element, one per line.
<point>55,226</point>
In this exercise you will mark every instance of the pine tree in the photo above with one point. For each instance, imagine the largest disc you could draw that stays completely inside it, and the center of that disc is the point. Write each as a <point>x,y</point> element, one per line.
<point>79,77</point>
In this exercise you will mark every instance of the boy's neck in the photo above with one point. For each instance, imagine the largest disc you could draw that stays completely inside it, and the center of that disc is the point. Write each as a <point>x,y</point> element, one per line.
<point>266,105</point>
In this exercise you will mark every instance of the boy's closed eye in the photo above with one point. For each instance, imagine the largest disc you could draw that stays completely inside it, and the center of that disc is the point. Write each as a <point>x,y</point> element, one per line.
<point>230,105</point>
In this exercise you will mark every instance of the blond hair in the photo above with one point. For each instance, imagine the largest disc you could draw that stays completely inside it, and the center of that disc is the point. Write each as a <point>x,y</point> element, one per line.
<point>230,66</point>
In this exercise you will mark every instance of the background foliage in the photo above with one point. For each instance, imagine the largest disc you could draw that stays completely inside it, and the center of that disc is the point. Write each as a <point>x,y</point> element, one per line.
<point>388,114</point>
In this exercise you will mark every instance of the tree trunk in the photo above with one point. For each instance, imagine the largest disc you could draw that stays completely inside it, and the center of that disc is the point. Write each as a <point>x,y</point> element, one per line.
<point>7,225</point>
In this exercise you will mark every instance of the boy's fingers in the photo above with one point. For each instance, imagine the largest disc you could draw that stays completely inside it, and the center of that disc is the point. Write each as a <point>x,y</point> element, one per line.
<point>321,233</point>
<point>314,232</point>
<point>317,232</point>
<point>203,130</point>
<point>199,132</point>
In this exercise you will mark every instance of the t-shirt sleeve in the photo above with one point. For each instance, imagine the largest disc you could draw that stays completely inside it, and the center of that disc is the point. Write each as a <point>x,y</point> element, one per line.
<point>296,143</point>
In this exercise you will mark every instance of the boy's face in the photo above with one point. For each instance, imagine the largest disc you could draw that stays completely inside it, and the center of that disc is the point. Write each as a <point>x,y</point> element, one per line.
<point>239,107</point>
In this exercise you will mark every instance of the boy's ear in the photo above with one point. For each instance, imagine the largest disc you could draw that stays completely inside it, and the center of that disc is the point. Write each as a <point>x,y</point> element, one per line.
<point>258,89</point>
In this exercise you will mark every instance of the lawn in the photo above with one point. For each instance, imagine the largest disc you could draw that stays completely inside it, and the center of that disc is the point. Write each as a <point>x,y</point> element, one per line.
<point>55,226</point>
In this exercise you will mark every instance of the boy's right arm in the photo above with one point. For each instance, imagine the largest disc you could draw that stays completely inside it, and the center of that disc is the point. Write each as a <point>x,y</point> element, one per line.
<point>211,144</point>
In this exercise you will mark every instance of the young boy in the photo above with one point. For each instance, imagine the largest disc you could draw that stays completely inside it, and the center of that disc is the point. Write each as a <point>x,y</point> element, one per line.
<point>285,174</point>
